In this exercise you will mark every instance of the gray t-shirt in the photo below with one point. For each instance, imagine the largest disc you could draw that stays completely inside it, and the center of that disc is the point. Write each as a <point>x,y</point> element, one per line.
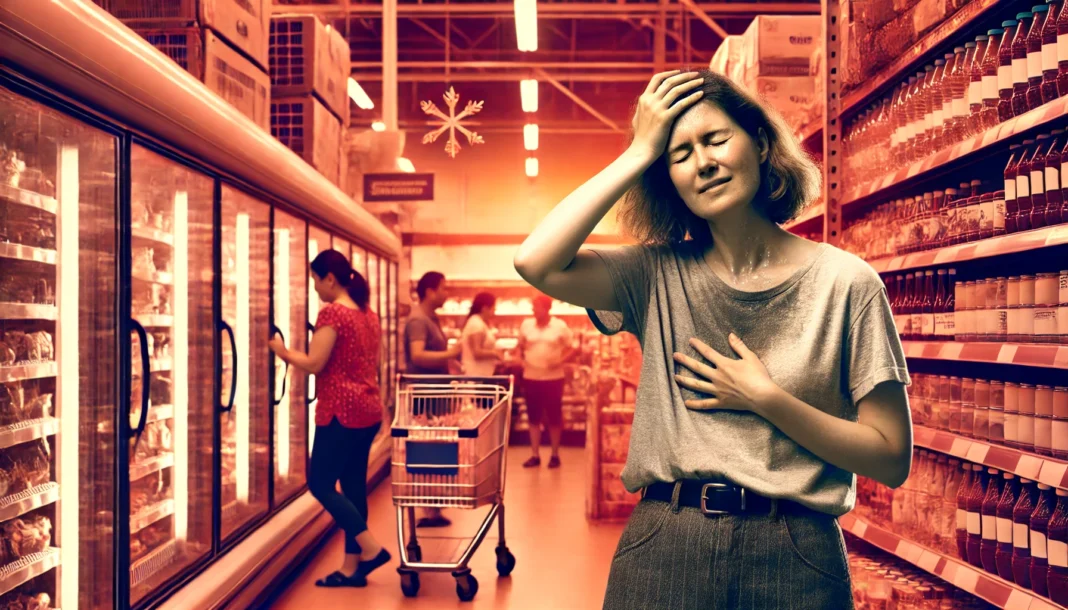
<point>826,335</point>
<point>419,327</point>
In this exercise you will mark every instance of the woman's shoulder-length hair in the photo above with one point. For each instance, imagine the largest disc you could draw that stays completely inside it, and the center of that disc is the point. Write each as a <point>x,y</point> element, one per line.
<point>652,211</point>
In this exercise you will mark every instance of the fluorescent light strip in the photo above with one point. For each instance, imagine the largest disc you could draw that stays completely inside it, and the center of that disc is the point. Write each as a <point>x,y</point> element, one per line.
<point>313,313</point>
<point>242,401</point>
<point>528,90</point>
<point>282,321</point>
<point>180,385</point>
<point>378,126</point>
<point>532,167</point>
<point>68,460</point>
<point>405,165</point>
<point>526,25</point>
<point>359,96</point>
<point>530,136</point>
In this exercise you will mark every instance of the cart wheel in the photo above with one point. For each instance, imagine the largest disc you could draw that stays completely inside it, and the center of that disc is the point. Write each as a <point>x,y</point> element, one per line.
<point>410,583</point>
<point>505,561</point>
<point>415,553</point>
<point>466,587</point>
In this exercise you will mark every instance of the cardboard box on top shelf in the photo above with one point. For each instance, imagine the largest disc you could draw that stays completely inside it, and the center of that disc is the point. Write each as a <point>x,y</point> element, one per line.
<point>304,125</point>
<point>224,70</point>
<point>242,23</point>
<point>793,96</point>
<point>780,45</point>
<point>307,57</point>
<point>728,55</point>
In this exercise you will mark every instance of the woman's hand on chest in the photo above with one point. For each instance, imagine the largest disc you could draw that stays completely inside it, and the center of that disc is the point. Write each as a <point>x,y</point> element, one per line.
<point>737,385</point>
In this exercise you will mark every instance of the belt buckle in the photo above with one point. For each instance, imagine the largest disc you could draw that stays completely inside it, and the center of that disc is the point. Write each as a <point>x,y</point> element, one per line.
<point>704,499</point>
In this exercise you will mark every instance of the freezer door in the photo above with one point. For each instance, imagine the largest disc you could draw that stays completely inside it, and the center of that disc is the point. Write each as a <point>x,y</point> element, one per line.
<point>359,261</point>
<point>290,319</point>
<point>171,399</point>
<point>342,246</point>
<point>58,356</point>
<point>245,409</point>
<point>318,241</point>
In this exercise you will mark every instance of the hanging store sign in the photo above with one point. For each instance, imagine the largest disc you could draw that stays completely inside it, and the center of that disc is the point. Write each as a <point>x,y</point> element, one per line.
<point>398,187</point>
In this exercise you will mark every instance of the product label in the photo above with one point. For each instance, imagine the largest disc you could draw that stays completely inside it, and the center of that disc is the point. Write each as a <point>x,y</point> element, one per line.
<point>1038,183</point>
<point>1001,322</point>
<point>975,93</point>
<point>940,325</point>
<point>1038,544</point>
<point>1004,77</point>
<point>990,528</point>
<point>1019,535</point>
<point>1062,47</point>
<point>1034,65</point>
<point>951,328</point>
<point>975,524</point>
<point>1049,56</point>
<point>916,324</point>
<point>999,214</point>
<point>1004,530</point>
<point>1053,179</point>
<point>1043,433</point>
<point>986,215</point>
<point>962,519</point>
<point>927,324</point>
<point>1023,188</point>
<point>1012,425</point>
<point>938,118</point>
<point>990,87</point>
<point>960,107</point>
<point>1058,553</point>
<point>1019,71</point>
<point>1010,189</point>
<point>1027,321</point>
<point>1062,323</point>
<point>1014,322</point>
<point>1045,321</point>
<point>1027,429</point>
<point>947,110</point>
<point>899,324</point>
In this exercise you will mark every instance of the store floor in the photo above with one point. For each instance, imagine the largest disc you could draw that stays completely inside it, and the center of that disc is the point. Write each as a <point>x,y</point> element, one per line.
<point>561,559</point>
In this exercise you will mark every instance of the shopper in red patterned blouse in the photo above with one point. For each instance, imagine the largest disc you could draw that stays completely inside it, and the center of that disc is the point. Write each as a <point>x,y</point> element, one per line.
<point>343,356</point>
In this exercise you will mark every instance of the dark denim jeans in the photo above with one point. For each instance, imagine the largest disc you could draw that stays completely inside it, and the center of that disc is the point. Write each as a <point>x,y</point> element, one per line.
<point>672,557</point>
<point>341,454</point>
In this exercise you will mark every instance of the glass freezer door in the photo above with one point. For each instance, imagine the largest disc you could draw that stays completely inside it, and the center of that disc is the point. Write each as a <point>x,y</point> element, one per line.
<point>318,241</point>
<point>290,318</point>
<point>359,261</point>
<point>172,355</point>
<point>58,357</point>
<point>245,410</point>
<point>342,246</point>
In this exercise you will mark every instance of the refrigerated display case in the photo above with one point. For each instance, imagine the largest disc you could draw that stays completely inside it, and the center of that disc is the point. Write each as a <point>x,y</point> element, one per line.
<point>172,354</point>
<point>290,319</point>
<point>319,240</point>
<point>342,246</point>
<point>58,357</point>
<point>359,260</point>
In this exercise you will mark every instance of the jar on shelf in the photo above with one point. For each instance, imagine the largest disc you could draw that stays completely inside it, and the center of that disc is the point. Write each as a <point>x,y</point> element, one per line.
<point>982,410</point>
<point>967,407</point>
<point>954,404</point>
<point>1060,423</point>
<point>1044,420</point>
<point>1001,305</point>
<point>997,412</point>
<point>1062,308</point>
<point>1027,308</point>
<point>1013,305</point>
<point>1046,305</point>
<point>942,404</point>
<point>1027,417</point>
<point>1012,415</point>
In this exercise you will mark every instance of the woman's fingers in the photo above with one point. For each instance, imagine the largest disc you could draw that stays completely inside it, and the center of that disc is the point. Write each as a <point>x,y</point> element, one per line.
<point>671,82</point>
<point>700,368</point>
<point>658,79</point>
<point>679,90</point>
<point>706,404</point>
<point>685,103</point>
<point>697,385</point>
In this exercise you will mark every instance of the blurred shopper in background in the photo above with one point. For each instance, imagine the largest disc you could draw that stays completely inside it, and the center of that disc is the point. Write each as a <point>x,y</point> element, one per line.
<point>427,351</point>
<point>544,346</point>
<point>478,355</point>
<point>343,356</point>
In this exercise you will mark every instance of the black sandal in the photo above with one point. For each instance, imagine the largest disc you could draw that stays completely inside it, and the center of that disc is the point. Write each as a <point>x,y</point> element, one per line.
<point>379,560</point>
<point>337,579</point>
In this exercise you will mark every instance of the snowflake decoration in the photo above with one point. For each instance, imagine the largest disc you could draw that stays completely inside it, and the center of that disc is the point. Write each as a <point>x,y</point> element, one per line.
<point>451,122</point>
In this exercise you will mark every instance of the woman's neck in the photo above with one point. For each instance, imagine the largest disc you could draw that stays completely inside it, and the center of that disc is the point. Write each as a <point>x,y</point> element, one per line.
<point>746,242</point>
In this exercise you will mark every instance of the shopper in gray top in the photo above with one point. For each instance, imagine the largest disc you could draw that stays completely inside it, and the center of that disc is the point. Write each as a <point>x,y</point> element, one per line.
<point>772,372</point>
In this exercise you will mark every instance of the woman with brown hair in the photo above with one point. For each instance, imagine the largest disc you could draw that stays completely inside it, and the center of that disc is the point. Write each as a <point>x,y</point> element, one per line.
<point>772,372</point>
<point>477,353</point>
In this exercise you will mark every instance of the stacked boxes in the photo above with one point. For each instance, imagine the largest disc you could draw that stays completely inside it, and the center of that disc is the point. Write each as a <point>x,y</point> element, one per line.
<point>728,59</point>
<point>309,68</point>
<point>221,42</point>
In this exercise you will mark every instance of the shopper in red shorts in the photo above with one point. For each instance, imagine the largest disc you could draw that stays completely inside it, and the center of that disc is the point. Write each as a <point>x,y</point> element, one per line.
<point>544,345</point>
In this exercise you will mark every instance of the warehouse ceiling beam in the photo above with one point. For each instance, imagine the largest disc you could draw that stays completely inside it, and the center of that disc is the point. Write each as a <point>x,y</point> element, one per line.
<point>559,9</point>
<point>705,18</point>
<point>489,31</point>
<point>543,75</point>
<point>430,30</point>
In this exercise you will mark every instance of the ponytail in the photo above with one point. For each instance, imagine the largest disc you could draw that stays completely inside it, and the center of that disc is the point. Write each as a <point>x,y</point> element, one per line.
<point>334,262</point>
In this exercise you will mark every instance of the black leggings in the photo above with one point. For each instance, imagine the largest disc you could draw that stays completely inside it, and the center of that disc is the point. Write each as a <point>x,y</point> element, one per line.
<point>341,454</point>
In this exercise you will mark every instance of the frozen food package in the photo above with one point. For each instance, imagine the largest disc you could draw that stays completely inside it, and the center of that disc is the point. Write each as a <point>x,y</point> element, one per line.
<point>25,599</point>
<point>25,536</point>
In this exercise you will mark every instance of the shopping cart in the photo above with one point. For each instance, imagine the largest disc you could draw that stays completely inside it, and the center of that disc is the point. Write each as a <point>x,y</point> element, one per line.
<point>450,436</point>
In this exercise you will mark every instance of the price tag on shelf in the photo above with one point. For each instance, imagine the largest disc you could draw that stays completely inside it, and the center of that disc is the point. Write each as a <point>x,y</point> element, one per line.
<point>1007,128</point>
<point>902,549</point>
<point>977,452</point>
<point>967,579</point>
<point>945,255</point>
<point>1028,121</point>
<point>990,137</point>
<point>914,553</point>
<point>887,181</point>
<point>966,147</point>
<point>1058,235</point>
<point>895,263</point>
<point>1029,466</point>
<point>914,169</point>
<point>949,572</point>
<point>914,350</point>
<point>1018,600</point>
<point>1060,360</point>
<point>951,350</point>
<point>960,448</point>
<point>859,528</point>
<point>1052,473</point>
<point>1007,353</point>
<point>1040,604</point>
<point>928,561</point>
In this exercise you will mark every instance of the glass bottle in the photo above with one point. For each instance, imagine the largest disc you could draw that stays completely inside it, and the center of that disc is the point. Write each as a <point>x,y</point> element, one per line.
<point>935,102</point>
<point>951,306</point>
<point>900,125</point>
<point>1012,208</point>
<point>990,92</point>
<point>975,85</point>
<point>1038,183</point>
<point>939,306</point>
<point>910,122</point>
<point>954,404</point>
<point>1034,56</point>
<point>1023,187</point>
<point>1003,557</point>
<point>919,108</point>
<point>1021,533</point>
<point>963,493</point>
<point>927,307</point>
<point>1057,576</point>
<point>1049,54</point>
<point>1020,82</point>
<point>958,86</point>
<point>928,109</point>
<point>1062,53</point>
<point>1050,181</point>
<point>988,546</point>
<point>954,479</point>
<point>1005,70</point>
<point>1047,501</point>
<point>1054,197</point>
<point>976,496</point>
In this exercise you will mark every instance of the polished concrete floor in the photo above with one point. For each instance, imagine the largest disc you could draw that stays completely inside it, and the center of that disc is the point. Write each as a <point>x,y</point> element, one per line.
<point>562,559</point>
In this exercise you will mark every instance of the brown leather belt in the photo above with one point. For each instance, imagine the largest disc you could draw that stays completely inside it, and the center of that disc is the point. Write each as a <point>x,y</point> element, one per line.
<point>719,498</point>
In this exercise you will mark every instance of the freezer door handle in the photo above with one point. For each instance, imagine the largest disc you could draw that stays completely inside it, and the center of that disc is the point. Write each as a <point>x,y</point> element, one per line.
<point>146,382</point>
<point>278,331</point>
<point>311,399</point>
<point>229,406</point>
